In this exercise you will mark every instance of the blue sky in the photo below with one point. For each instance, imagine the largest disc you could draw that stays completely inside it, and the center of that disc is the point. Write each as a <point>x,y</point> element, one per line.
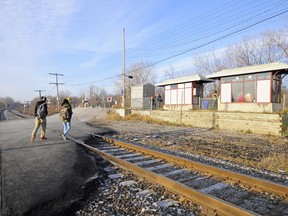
<point>83,39</point>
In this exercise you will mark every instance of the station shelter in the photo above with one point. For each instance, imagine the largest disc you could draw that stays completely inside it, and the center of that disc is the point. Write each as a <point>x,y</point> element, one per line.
<point>252,88</point>
<point>183,93</point>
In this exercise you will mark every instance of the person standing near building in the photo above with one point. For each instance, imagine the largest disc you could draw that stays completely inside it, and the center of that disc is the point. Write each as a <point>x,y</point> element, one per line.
<point>66,116</point>
<point>40,112</point>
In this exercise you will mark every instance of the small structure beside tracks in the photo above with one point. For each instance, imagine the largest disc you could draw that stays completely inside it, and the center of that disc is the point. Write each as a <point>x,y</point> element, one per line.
<point>184,93</point>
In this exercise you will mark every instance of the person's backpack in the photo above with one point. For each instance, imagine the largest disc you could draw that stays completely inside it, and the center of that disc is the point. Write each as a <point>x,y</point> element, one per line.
<point>64,114</point>
<point>41,111</point>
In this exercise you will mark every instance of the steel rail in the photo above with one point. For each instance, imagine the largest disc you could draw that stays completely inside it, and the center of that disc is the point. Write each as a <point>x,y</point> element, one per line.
<point>211,205</point>
<point>254,184</point>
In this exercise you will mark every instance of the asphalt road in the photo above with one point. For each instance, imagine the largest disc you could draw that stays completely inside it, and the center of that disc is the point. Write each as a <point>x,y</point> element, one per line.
<point>43,177</point>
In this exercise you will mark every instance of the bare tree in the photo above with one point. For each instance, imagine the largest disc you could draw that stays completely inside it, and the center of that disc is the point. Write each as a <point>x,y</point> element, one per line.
<point>171,73</point>
<point>6,102</point>
<point>64,94</point>
<point>142,74</point>
<point>82,95</point>
<point>97,96</point>
<point>267,48</point>
<point>280,39</point>
<point>103,97</point>
<point>254,51</point>
<point>93,93</point>
<point>209,62</point>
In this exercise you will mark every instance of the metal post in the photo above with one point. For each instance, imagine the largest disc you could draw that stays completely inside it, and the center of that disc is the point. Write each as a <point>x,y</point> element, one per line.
<point>123,69</point>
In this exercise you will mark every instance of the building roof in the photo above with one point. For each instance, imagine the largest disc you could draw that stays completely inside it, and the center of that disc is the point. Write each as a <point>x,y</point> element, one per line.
<point>194,78</point>
<point>250,69</point>
<point>140,86</point>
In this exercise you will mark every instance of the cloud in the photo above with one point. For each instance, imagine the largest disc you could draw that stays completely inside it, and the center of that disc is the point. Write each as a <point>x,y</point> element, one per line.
<point>29,29</point>
<point>31,24</point>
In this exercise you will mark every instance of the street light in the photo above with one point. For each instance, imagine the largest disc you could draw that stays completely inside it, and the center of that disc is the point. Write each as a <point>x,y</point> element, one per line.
<point>123,88</point>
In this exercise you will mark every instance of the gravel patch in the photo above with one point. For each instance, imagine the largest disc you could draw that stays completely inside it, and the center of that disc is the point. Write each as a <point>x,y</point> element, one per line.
<point>124,194</point>
<point>236,151</point>
<point>128,195</point>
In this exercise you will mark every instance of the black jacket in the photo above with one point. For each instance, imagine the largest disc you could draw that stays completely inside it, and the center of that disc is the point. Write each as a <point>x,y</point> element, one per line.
<point>38,104</point>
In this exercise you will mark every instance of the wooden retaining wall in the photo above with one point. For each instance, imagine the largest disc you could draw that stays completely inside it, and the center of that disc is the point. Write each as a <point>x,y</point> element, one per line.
<point>260,123</point>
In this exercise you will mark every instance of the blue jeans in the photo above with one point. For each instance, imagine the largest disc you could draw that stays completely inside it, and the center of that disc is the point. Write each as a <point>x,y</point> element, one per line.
<point>67,127</point>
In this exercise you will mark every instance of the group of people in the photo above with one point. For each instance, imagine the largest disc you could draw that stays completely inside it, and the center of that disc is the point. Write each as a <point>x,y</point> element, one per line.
<point>41,111</point>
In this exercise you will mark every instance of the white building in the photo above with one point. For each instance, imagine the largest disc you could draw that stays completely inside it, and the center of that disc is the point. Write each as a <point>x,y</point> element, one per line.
<point>183,93</point>
<point>252,88</point>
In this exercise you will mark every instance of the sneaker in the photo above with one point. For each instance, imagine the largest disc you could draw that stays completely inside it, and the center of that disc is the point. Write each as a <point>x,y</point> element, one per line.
<point>64,137</point>
<point>43,138</point>
<point>32,138</point>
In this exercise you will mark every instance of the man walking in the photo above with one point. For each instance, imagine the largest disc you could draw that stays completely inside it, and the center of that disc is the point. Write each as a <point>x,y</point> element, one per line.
<point>40,119</point>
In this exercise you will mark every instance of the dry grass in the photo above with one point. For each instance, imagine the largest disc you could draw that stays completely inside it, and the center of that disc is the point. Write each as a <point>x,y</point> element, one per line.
<point>258,151</point>
<point>259,158</point>
<point>275,161</point>
<point>112,116</point>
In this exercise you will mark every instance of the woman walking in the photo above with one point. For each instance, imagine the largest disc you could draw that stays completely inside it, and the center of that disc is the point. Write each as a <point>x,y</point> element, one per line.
<point>66,116</point>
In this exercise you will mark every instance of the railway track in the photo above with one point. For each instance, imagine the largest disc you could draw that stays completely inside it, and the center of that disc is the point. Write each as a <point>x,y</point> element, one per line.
<point>11,115</point>
<point>217,191</point>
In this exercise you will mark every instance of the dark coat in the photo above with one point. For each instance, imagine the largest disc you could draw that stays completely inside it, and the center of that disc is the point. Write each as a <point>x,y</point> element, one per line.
<point>38,104</point>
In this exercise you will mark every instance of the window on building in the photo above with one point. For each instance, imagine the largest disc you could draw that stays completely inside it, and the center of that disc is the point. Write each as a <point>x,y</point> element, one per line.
<point>175,86</point>
<point>237,88</point>
<point>276,89</point>
<point>250,88</point>
<point>198,89</point>
<point>263,76</point>
<point>237,92</point>
<point>226,80</point>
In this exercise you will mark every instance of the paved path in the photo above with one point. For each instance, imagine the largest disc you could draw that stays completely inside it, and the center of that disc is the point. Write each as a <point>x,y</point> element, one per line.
<point>37,173</point>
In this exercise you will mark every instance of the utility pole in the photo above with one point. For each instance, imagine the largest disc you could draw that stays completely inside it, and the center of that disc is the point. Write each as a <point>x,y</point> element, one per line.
<point>27,102</point>
<point>57,83</point>
<point>40,92</point>
<point>123,69</point>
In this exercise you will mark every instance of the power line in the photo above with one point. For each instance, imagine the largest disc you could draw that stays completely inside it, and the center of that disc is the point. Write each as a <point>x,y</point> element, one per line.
<point>218,31</point>
<point>207,29</point>
<point>222,37</point>
<point>249,19</point>
<point>208,21</point>
<point>94,81</point>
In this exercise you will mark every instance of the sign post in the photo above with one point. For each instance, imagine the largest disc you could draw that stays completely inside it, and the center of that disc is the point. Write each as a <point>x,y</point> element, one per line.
<point>109,100</point>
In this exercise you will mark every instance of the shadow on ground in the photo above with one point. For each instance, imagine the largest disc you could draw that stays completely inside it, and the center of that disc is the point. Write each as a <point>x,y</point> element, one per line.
<point>76,191</point>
